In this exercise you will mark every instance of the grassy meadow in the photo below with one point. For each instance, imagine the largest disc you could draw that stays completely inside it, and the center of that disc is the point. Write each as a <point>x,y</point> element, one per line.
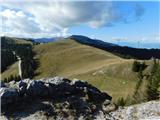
<point>70,59</point>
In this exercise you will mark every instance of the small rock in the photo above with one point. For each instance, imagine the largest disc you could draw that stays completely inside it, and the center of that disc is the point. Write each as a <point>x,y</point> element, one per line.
<point>93,108</point>
<point>58,80</point>
<point>108,107</point>
<point>106,102</point>
<point>13,84</point>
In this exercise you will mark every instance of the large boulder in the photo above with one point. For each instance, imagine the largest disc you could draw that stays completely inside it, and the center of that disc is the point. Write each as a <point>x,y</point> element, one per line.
<point>37,88</point>
<point>107,106</point>
<point>8,95</point>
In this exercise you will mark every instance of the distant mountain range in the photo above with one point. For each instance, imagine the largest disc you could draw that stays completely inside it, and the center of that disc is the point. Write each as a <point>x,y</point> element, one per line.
<point>85,39</point>
<point>122,51</point>
<point>140,45</point>
<point>46,40</point>
<point>92,42</point>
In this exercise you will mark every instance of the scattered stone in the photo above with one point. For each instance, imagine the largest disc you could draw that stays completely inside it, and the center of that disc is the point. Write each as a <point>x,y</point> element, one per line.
<point>13,84</point>
<point>108,107</point>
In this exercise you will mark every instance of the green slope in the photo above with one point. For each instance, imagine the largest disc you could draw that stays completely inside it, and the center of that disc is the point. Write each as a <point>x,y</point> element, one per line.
<point>7,43</point>
<point>70,59</point>
<point>13,40</point>
<point>11,70</point>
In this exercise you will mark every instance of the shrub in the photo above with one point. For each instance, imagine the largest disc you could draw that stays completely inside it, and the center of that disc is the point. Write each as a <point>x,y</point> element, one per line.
<point>121,102</point>
<point>138,66</point>
<point>11,77</point>
<point>153,85</point>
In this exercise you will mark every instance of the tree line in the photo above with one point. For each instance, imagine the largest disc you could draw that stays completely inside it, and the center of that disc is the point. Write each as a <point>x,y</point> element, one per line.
<point>24,51</point>
<point>151,88</point>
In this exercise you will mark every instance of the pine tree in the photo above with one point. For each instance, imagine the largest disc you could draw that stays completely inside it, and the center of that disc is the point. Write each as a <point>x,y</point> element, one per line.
<point>153,85</point>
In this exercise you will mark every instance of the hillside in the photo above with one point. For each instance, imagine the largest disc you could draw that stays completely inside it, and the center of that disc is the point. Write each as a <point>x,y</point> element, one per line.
<point>67,58</point>
<point>71,59</point>
<point>11,49</point>
<point>11,70</point>
<point>13,40</point>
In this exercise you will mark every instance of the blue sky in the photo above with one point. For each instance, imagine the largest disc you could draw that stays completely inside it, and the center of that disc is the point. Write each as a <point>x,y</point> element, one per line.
<point>146,28</point>
<point>108,21</point>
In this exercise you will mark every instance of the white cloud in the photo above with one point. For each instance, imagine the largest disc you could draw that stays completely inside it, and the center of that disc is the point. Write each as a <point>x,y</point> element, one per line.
<point>55,18</point>
<point>18,22</point>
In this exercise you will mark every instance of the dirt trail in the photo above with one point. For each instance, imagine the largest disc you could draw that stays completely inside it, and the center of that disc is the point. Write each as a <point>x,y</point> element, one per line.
<point>19,64</point>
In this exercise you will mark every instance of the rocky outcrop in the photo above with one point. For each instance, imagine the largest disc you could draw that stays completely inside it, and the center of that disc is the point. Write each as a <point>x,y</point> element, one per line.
<point>62,99</point>
<point>55,98</point>
<point>144,111</point>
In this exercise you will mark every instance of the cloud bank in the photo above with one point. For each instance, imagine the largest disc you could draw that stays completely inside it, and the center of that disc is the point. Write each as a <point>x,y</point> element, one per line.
<point>46,19</point>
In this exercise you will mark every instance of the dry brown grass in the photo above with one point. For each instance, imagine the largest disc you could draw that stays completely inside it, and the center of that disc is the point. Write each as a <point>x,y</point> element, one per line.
<point>70,59</point>
<point>11,70</point>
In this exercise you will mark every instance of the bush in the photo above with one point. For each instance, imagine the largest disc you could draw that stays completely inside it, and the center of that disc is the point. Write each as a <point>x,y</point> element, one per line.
<point>121,102</point>
<point>138,66</point>
<point>139,93</point>
<point>153,85</point>
<point>11,77</point>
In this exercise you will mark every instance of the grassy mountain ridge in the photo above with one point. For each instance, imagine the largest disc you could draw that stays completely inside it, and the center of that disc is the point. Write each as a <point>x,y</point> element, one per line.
<point>13,40</point>
<point>68,55</point>
<point>71,59</point>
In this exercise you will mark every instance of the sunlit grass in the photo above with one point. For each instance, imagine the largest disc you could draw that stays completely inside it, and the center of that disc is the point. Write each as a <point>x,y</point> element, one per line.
<point>67,58</point>
<point>11,70</point>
